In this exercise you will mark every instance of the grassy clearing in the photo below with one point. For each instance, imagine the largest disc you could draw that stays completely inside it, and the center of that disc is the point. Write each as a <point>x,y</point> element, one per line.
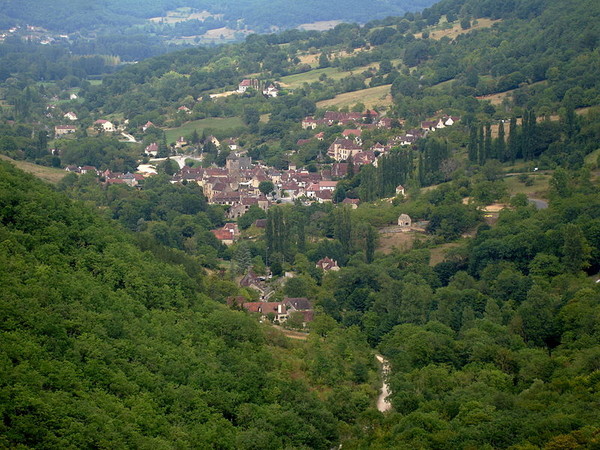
<point>49,174</point>
<point>377,96</point>
<point>442,85</point>
<point>388,242</point>
<point>322,25</point>
<point>438,32</point>
<point>313,58</point>
<point>297,80</point>
<point>213,123</point>
<point>496,99</point>
<point>181,15</point>
<point>539,188</point>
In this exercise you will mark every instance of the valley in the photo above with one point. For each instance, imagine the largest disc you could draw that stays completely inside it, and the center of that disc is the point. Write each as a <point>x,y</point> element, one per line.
<point>333,231</point>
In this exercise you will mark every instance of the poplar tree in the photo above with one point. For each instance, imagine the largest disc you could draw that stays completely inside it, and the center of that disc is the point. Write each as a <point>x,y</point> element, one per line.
<point>513,139</point>
<point>500,147</point>
<point>481,146</point>
<point>370,244</point>
<point>343,228</point>
<point>488,142</point>
<point>473,144</point>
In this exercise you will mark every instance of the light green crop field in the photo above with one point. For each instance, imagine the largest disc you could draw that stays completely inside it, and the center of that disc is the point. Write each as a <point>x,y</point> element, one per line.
<point>377,96</point>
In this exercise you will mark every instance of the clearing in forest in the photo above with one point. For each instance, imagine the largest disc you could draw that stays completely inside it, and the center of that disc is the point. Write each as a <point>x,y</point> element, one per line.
<point>50,174</point>
<point>456,30</point>
<point>388,242</point>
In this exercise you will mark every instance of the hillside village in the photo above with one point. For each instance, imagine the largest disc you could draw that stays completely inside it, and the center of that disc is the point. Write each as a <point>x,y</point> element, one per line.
<point>237,186</point>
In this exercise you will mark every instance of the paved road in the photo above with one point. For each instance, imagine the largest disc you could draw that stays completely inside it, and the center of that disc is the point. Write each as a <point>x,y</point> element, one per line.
<point>539,204</point>
<point>383,404</point>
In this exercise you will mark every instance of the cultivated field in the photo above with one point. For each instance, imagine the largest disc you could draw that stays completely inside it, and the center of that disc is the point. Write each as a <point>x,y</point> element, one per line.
<point>297,80</point>
<point>377,96</point>
<point>213,123</point>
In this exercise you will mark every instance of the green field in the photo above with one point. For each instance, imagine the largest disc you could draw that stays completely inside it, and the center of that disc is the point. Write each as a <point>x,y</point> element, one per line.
<point>213,123</point>
<point>539,188</point>
<point>297,80</point>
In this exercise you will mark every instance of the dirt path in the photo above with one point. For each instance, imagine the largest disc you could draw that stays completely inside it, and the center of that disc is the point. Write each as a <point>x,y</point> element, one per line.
<point>383,404</point>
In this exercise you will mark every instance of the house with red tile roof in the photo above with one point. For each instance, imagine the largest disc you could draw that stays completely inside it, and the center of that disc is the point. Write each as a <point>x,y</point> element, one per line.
<point>248,83</point>
<point>328,264</point>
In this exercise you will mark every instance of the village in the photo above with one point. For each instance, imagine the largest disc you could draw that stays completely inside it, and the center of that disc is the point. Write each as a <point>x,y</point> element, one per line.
<point>243,183</point>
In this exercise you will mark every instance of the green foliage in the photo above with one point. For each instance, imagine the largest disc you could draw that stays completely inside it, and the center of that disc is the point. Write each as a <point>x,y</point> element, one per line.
<point>93,326</point>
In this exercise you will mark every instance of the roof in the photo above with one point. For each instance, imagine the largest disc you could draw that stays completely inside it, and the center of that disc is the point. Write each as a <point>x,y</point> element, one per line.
<point>352,132</point>
<point>324,195</point>
<point>327,264</point>
<point>264,307</point>
<point>349,144</point>
<point>298,303</point>
<point>222,235</point>
<point>249,279</point>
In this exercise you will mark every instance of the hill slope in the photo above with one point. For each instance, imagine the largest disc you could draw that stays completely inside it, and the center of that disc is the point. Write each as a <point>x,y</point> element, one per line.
<point>102,345</point>
<point>66,15</point>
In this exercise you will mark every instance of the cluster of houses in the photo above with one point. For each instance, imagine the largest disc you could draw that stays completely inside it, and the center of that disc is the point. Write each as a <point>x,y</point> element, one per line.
<point>237,185</point>
<point>268,90</point>
<point>349,145</point>
<point>33,34</point>
<point>129,179</point>
<point>278,312</point>
<point>100,125</point>
<point>300,307</point>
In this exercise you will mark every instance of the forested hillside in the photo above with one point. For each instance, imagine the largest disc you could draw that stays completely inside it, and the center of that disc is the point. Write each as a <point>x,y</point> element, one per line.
<point>105,345</point>
<point>259,15</point>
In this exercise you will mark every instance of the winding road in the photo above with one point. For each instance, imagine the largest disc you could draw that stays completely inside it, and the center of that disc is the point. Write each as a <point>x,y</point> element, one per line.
<point>383,404</point>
